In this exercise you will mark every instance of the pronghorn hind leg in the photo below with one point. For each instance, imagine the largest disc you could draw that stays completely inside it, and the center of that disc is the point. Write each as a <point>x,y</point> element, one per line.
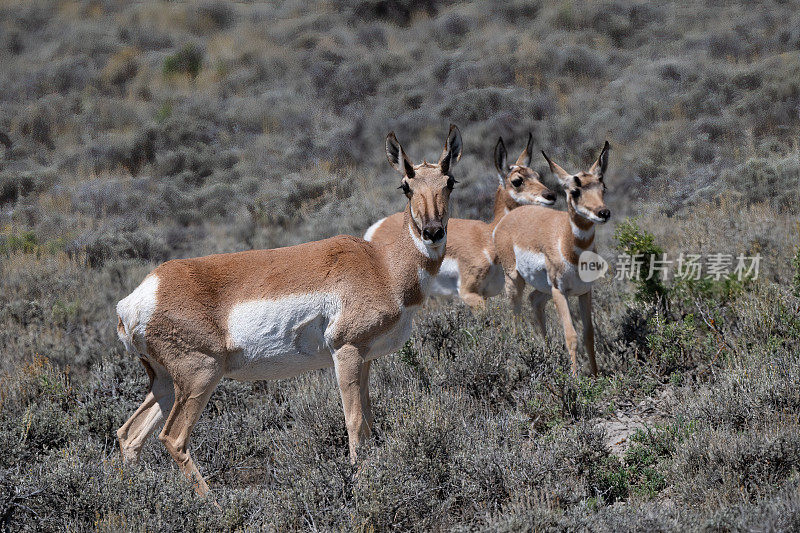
<point>151,412</point>
<point>366,402</point>
<point>193,388</point>
<point>570,337</point>
<point>349,367</point>
<point>127,433</point>
<point>585,303</point>
<point>538,300</point>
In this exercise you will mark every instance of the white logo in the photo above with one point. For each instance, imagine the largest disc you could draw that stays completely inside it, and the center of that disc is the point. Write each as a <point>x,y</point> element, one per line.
<point>591,266</point>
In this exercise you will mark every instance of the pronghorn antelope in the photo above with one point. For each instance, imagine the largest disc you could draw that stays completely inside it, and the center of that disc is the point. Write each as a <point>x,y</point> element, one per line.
<point>269,314</point>
<point>542,247</point>
<point>470,268</point>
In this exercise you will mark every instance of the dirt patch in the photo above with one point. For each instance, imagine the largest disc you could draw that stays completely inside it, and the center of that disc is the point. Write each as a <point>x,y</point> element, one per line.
<point>629,418</point>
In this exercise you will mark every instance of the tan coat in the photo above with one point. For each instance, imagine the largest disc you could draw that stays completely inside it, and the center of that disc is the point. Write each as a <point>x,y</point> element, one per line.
<point>471,269</point>
<point>268,314</point>
<point>542,248</point>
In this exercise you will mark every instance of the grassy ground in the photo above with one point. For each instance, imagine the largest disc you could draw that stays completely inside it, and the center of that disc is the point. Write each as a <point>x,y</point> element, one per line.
<point>149,131</point>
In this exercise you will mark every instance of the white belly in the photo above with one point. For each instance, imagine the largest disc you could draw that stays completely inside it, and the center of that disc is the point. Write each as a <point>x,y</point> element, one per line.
<point>447,281</point>
<point>533,269</point>
<point>273,339</point>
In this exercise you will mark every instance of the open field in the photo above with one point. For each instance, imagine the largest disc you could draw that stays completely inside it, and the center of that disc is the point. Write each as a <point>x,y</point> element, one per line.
<point>141,132</point>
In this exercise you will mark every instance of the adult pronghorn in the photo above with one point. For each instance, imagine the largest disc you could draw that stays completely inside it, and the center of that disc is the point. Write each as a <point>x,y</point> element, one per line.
<point>542,247</point>
<point>470,268</point>
<point>269,314</point>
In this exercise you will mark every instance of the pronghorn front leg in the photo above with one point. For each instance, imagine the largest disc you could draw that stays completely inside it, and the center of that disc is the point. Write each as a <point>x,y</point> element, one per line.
<point>349,366</point>
<point>585,303</point>
<point>570,337</point>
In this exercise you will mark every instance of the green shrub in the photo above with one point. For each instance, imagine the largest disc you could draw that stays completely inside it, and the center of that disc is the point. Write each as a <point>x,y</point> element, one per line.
<point>672,343</point>
<point>640,244</point>
<point>646,460</point>
<point>187,60</point>
<point>164,112</point>
<point>25,242</point>
<point>687,291</point>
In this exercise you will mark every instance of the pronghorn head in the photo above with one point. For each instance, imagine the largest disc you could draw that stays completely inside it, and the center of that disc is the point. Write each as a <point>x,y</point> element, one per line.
<point>585,189</point>
<point>428,187</point>
<point>520,180</point>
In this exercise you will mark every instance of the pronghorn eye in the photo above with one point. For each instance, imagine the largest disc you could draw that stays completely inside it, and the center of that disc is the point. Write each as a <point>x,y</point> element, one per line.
<point>516,182</point>
<point>575,193</point>
<point>406,189</point>
<point>451,182</point>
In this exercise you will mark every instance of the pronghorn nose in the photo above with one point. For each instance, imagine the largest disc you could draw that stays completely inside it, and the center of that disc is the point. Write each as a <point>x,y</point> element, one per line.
<point>550,196</point>
<point>604,214</point>
<point>433,233</point>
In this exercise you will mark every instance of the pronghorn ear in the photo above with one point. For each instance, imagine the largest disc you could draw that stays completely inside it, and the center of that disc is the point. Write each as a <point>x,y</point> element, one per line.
<point>452,150</point>
<point>397,157</point>
<point>524,159</point>
<point>501,160</point>
<point>599,166</point>
<point>563,176</point>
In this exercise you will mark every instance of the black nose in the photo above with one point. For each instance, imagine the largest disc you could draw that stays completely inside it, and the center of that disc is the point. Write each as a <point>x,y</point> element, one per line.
<point>604,214</point>
<point>550,196</point>
<point>433,233</point>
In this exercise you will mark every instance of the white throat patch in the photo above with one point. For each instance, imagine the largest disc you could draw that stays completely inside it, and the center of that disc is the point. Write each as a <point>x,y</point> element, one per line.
<point>581,234</point>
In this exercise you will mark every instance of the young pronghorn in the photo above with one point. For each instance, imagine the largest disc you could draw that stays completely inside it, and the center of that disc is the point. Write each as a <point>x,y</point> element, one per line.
<point>270,314</point>
<point>541,247</point>
<point>470,268</point>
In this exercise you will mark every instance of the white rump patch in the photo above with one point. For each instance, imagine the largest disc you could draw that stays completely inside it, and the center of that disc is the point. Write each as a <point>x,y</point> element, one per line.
<point>273,339</point>
<point>372,229</point>
<point>448,280</point>
<point>533,268</point>
<point>135,311</point>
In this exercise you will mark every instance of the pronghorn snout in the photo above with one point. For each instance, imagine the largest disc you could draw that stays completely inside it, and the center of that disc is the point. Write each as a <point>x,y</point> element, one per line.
<point>603,214</point>
<point>549,196</point>
<point>433,232</point>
